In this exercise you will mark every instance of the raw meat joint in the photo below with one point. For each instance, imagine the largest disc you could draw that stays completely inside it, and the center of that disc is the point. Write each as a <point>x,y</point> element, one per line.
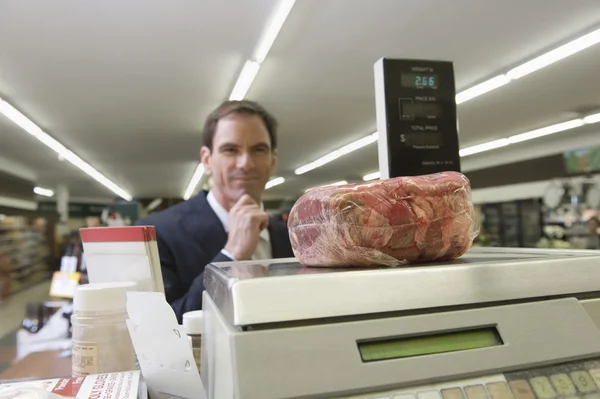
<point>388,222</point>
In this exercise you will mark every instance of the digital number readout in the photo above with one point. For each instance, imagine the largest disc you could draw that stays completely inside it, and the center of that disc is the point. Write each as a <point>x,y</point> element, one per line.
<point>428,344</point>
<point>420,80</point>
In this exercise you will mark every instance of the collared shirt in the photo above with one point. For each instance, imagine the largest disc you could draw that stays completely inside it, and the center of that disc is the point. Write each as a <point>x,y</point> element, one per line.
<point>263,249</point>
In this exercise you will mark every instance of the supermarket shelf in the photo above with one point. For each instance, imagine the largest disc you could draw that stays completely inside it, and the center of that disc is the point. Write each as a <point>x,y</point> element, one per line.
<point>39,279</point>
<point>24,255</point>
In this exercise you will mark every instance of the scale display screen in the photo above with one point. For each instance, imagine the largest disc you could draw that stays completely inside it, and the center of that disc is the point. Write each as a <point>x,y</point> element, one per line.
<point>410,109</point>
<point>423,140</point>
<point>397,348</point>
<point>420,80</point>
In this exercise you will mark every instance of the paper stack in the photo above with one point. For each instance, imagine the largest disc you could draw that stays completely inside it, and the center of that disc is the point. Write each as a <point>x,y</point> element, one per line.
<point>127,253</point>
<point>126,385</point>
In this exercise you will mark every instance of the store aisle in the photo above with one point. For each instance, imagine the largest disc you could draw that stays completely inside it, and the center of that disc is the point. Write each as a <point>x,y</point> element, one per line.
<point>12,312</point>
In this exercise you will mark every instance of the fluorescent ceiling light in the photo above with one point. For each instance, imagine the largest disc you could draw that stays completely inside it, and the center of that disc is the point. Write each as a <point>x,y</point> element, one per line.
<point>348,148</point>
<point>528,67</point>
<point>555,55</point>
<point>26,124</point>
<point>549,58</point>
<point>483,147</point>
<point>481,88</point>
<point>337,183</point>
<point>545,131</point>
<point>43,191</point>
<point>154,204</point>
<point>244,80</point>
<point>595,118</point>
<point>251,67</point>
<point>274,182</point>
<point>518,138</point>
<point>372,176</point>
<point>198,173</point>
<point>274,25</point>
<point>534,134</point>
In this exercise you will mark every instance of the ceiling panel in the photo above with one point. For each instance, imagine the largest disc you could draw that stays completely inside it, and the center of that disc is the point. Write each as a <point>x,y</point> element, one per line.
<point>16,145</point>
<point>554,94</point>
<point>318,78</point>
<point>123,83</point>
<point>127,84</point>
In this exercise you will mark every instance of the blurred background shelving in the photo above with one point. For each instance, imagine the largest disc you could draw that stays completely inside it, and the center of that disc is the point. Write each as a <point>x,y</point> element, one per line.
<point>25,253</point>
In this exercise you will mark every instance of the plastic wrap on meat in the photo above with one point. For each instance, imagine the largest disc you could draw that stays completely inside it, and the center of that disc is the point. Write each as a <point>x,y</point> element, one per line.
<point>388,222</point>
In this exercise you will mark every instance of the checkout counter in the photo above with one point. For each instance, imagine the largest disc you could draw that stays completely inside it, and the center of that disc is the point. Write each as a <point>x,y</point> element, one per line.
<point>497,323</point>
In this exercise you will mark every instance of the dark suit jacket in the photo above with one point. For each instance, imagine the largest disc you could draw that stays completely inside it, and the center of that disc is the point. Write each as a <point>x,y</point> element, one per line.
<point>190,236</point>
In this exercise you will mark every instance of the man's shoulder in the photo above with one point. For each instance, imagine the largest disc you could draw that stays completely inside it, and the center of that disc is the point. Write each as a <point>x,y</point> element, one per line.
<point>164,220</point>
<point>168,218</point>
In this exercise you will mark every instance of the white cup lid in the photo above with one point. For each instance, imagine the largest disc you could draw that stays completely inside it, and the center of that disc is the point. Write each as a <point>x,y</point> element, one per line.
<point>193,322</point>
<point>102,297</point>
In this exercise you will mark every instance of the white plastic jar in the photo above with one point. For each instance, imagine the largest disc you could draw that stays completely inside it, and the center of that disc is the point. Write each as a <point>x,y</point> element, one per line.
<point>193,324</point>
<point>101,341</point>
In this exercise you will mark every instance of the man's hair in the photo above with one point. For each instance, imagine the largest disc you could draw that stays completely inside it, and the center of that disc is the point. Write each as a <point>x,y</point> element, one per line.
<point>246,107</point>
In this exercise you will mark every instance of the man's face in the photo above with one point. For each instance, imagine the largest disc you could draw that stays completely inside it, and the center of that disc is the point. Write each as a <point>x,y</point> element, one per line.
<point>241,160</point>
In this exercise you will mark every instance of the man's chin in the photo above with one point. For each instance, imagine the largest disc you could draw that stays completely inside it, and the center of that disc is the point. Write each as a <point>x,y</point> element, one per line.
<point>254,192</point>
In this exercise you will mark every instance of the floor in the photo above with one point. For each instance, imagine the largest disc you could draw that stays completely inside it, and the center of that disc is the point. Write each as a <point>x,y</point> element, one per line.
<point>12,312</point>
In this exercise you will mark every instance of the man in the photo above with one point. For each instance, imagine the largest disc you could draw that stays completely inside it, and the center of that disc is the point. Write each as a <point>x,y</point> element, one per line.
<point>228,223</point>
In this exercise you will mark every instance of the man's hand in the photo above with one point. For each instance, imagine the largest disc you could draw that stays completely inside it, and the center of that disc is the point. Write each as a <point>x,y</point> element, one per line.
<point>246,221</point>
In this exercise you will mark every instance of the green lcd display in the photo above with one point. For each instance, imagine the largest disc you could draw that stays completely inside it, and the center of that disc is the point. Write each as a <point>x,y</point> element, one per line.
<point>396,348</point>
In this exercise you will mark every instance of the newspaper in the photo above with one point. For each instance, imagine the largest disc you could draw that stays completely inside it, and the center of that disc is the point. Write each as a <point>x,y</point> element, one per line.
<point>125,385</point>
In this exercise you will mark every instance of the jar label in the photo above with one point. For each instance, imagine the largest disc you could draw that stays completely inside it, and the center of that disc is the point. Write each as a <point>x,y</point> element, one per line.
<point>84,358</point>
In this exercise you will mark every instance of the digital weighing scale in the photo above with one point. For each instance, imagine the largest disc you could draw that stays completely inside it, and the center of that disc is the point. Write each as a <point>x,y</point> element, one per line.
<point>493,322</point>
<point>498,323</point>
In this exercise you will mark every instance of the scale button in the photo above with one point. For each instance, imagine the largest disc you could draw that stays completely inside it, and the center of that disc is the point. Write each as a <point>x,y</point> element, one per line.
<point>453,393</point>
<point>499,390</point>
<point>476,392</point>
<point>595,373</point>
<point>542,387</point>
<point>429,395</point>
<point>521,389</point>
<point>404,396</point>
<point>563,384</point>
<point>583,381</point>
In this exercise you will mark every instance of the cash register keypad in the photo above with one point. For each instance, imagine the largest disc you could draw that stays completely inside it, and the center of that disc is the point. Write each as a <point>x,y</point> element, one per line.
<point>577,380</point>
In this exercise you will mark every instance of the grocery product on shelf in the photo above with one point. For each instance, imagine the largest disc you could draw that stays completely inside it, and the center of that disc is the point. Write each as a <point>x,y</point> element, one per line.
<point>24,254</point>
